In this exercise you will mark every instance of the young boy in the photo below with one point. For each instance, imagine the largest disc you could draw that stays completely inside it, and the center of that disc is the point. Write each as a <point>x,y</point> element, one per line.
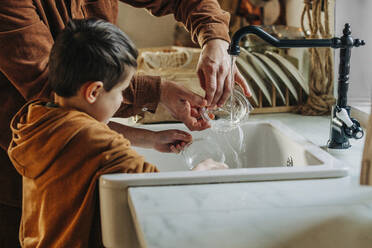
<point>62,147</point>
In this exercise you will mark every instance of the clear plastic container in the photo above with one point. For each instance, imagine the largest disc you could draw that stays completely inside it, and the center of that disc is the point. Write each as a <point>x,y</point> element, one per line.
<point>201,149</point>
<point>230,115</point>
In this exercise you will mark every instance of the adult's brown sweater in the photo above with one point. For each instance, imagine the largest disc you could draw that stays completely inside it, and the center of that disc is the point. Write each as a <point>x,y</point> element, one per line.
<point>61,153</point>
<point>28,29</point>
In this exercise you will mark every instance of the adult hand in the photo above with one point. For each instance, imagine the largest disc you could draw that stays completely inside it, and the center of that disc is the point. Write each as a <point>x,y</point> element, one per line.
<point>183,104</point>
<point>171,140</point>
<point>214,69</point>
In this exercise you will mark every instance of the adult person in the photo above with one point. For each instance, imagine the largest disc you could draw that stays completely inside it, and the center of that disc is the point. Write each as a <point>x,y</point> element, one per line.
<point>27,31</point>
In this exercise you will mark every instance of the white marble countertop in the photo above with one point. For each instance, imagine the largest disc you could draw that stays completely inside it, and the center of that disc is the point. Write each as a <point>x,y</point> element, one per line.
<point>299,213</point>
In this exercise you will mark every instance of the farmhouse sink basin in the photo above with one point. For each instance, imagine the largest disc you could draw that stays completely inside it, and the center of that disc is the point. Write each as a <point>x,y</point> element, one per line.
<point>267,150</point>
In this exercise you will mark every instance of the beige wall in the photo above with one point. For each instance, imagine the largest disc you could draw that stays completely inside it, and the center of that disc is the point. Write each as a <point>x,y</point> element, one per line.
<point>143,28</point>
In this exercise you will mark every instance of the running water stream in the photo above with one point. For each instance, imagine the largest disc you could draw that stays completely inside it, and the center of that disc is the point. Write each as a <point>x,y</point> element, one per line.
<point>234,137</point>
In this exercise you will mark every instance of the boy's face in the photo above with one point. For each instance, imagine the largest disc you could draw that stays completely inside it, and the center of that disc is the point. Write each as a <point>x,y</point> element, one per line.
<point>109,102</point>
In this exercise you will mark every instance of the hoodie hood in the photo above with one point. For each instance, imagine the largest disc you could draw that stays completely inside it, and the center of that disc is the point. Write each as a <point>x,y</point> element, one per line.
<point>39,134</point>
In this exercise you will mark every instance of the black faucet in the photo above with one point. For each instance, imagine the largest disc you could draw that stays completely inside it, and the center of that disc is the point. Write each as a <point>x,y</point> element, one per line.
<point>343,126</point>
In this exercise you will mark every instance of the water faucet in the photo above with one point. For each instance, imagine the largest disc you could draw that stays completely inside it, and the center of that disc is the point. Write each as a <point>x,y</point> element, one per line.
<point>343,127</point>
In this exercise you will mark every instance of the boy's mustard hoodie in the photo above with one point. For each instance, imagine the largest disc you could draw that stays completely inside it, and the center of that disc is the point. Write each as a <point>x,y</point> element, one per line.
<point>61,153</point>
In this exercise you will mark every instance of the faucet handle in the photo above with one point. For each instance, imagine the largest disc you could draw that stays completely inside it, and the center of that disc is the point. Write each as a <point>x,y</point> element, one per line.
<point>358,42</point>
<point>350,126</point>
<point>355,131</point>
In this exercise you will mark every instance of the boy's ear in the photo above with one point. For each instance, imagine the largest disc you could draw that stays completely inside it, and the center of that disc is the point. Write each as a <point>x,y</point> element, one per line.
<point>92,90</point>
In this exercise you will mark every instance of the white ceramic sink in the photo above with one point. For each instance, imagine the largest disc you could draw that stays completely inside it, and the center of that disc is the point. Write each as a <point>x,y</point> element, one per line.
<point>269,147</point>
<point>267,144</point>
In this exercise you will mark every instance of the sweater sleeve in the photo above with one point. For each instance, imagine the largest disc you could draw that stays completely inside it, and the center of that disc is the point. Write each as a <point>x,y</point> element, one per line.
<point>204,19</point>
<point>143,94</point>
<point>108,151</point>
<point>121,154</point>
<point>25,43</point>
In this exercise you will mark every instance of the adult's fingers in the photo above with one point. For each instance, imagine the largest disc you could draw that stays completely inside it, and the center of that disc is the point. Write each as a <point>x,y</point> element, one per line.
<point>192,122</point>
<point>200,74</point>
<point>194,99</point>
<point>222,78</point>
<point>226,91</point>
<point>173,149</point>
<point>186,117</point>
<point>194,112</point>
<point>208,74</point>
<point>239,79</point>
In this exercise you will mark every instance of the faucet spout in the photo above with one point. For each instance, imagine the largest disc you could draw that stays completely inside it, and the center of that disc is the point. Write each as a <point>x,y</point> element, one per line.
<point>343,126</point>
<point>234,48</point>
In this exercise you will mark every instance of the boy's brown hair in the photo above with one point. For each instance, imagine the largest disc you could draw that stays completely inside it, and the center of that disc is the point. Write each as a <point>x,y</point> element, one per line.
<point>89,50</point>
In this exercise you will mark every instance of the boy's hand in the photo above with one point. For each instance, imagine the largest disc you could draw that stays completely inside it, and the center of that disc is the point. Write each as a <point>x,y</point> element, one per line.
<point>171,140</point>
<point>210,164</point>
<point>183,104</point>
